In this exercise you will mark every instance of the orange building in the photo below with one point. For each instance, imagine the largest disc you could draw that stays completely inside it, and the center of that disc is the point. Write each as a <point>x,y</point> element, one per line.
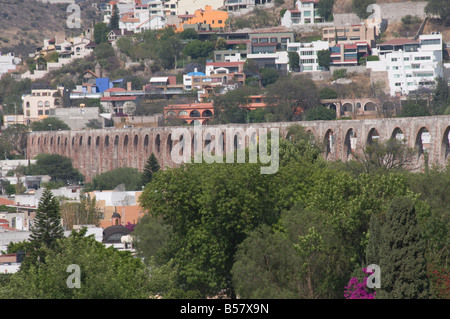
<point>190,112</point>
<point>215,18</point>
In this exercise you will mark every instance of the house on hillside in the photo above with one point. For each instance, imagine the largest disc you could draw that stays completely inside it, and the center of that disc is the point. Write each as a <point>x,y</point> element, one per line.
<point>305,13</point>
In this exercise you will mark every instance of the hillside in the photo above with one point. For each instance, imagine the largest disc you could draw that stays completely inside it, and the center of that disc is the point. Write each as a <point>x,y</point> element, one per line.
<point>24,24</point>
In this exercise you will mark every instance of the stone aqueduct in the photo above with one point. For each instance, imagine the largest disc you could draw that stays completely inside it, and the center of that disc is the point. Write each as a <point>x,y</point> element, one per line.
<point>97,151</point>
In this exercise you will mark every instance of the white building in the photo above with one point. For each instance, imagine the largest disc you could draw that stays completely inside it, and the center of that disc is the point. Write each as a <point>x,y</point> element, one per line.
<point>8,63</point>
<point>305,13</point>
<point>307,52</point>
<point>410,64</point>
<point>144,17</point>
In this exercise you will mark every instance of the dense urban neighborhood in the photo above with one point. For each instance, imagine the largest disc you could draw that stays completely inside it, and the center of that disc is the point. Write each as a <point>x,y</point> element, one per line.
<point>224,149</point>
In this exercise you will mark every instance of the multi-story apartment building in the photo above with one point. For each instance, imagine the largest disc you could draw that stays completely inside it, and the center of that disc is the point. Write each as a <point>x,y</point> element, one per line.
<point>410,64</point>
<point>348,54</point>
<point>37,104</point>
<point>237,5</point>
<point>308,54</point>
<point>269,40</point>
<point>8,63</point>
<point>350,34</point>
<point>305,13</point>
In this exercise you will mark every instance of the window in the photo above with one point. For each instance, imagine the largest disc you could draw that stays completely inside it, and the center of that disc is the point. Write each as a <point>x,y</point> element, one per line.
<point>395,68</point>
<point>410,83</point>
<point>46,112</point>
<point>220,21</point>
<point>40,104</point>
<point>172,6</point>
<point>47,104</point>
<point>308,68</point>
<point>263,40</point>
<point>406,59</point>
<point>355,30</point>
<point>183,113</point>
<point>40,112</point>
<point>396,76</point>
<point>393,59</point>
<point>254,40</point>
<point>431,41</point>
<point>307,13</point>
<point>422,58</point>
<point>284,40</point>
<point>398,84</point>
<point>307,53</point>
<point>273,40</point>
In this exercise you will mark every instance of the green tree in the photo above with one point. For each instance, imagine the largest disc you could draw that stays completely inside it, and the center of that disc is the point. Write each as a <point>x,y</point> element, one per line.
<point>402,254</point>
<point>94,124</point>
<point>439,8</point>
<point>325,9</point>
<point>49,124</point>
<point>198,49</point>
<point>46,228</point>
<point>294,61</point>
<point>115,18</point>
<point>188,34</point>
<point>105,273</point>
<point>289,95</point>
<point>151,167</point>
<point>269,76</point>
<point>328,93</point>
<point>441,96</point>
<point>413,109</point>
<point>319,113</point>
<point>323,57</point>
<point>14,138</point>
<point>58,167</point>
<point>101,33</point>
<point>130,177</point>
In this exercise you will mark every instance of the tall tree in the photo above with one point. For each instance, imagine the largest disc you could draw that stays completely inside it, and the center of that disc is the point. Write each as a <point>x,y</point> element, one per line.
<point>151,167</point>
<point>100,32</point>
<point>325,9</point>
<point>402,254</point>
<point>47,226</point>
<point>114,22</point>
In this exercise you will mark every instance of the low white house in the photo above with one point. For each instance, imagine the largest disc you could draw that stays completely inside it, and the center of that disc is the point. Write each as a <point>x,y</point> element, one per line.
<point>307,52</point>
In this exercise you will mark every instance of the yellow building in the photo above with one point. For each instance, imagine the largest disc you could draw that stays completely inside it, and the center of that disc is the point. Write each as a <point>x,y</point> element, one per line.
<point>215,18</point>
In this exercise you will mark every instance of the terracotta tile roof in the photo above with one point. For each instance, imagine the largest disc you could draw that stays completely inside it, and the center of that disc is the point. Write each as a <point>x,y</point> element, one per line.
<point>4,201</point>
<point>116,90</point>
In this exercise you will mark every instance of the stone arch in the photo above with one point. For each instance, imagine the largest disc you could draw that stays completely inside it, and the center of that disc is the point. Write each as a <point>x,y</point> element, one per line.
<point>51,141</point>
<point>347,107</point>
<point>398,134</point>
<point>89,142</point>
<point>157,142</point>
<point>169,144</point>
<point>446,144</point>
<point>207,113</point>
<point>370,106</point>
<point>136,141</point>
<point>58,141</point>
<point>65,141</point>
<point>106,141</point>
<point>194,113</point>
<point>97,141</point>
<point>373,136</point>
<point>330,143</point>
<point>73,141</point>
<point>332,106</point>
<point>116,141</point>
<point>349,143</point>
<point>422,142</point>
<point>358,105</point>
<point>81,140</point>
<point>125,142</point>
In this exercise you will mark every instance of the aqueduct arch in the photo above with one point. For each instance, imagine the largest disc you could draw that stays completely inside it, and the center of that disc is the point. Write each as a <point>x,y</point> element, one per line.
<point>132,146</point>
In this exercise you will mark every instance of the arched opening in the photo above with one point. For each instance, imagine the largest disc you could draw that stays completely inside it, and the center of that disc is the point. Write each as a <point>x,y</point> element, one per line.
<point>207,113</point>
<point>183,113</point>
<point>125,141</point>
<point>370,106</point>
<point>388,108</point>
<point>107,141</point>
<point>423,141</point>
<point>332,106</point>
<point>373,136</point>
<point>97,141</point>
<point>169,144</point>
<point>347,107</point>
<point>73,141</point>
<point>329,142</point>
<point>81,141</point>
<point>398,134</point>
<point>146,139</point>
<point>157,143</point>
<point>51,141</point>
<point>350,142</point>
<point>58,141</point>
<point>65,142</point>
<point>89,141</point>
<point>116,141</point>
<point>194,113</point>
<point>358,105</point>
<point>446,144</point>
<point>136,141</point>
